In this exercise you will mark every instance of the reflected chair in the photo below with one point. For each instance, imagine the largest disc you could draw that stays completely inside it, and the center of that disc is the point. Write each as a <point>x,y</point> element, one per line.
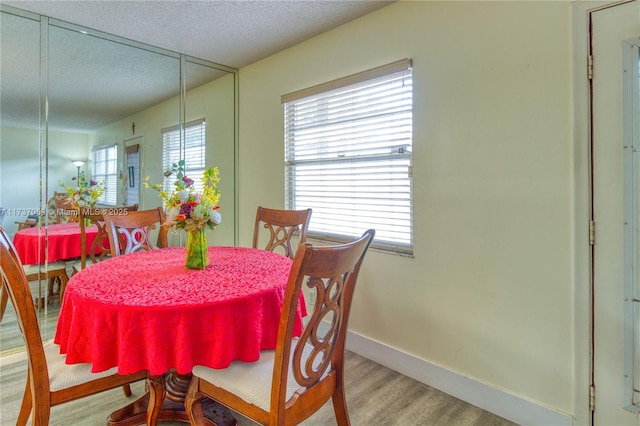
<point>288,384</point>
<point>65,211</point>
<point>281,224</point>
<point>50,381</point>
<point>29,222</point>
<point>52,210</point>
<point>132,232</point>
<point>54,273</point>
<point>99,250</point>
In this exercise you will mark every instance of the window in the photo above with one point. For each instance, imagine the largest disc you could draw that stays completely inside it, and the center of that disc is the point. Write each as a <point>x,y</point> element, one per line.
<point>104,168</point>
<point>348,152</point>
<point>192,151</point>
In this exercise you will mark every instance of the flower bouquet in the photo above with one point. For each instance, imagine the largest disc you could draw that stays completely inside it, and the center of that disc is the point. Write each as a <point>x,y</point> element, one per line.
<point>188,209</point>
<point>86,194</point>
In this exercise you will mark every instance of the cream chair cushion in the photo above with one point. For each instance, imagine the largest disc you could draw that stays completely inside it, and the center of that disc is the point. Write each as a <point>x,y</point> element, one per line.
<point>34,269</point>
<point>251,381</point>
<point>63,375</point>
<point>77,266</point>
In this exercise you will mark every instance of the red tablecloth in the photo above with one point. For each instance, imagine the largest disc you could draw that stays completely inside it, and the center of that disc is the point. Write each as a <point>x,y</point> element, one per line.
<point>145,311</point>
<point>63,242</point>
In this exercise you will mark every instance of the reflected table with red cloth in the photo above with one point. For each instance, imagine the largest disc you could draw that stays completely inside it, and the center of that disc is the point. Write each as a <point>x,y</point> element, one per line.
<point>63,242</point>
<point>145,311</point>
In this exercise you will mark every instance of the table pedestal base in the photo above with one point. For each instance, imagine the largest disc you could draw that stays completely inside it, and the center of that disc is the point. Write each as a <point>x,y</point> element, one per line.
<point>171,390</point>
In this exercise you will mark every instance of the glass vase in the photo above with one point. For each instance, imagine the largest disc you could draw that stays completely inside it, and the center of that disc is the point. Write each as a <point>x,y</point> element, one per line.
<point>197,254</point>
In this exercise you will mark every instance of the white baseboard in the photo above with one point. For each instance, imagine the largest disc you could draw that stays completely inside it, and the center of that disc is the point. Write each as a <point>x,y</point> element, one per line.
<point>494,400</point>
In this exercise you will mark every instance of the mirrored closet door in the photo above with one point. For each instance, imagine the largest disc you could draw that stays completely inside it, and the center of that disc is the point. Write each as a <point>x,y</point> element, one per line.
<point>68,92</point>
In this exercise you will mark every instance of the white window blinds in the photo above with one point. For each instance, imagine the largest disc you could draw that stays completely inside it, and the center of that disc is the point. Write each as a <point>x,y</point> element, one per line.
<point>348,146</point>
<point>104,168</point>
<point>192,151</point>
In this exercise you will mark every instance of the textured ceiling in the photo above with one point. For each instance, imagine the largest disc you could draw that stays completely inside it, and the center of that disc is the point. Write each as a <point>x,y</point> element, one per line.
<point>94,92</point>
<point>233,33</point>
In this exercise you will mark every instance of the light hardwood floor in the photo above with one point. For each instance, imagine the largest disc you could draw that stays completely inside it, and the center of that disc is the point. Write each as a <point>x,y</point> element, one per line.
<point>376,395</point>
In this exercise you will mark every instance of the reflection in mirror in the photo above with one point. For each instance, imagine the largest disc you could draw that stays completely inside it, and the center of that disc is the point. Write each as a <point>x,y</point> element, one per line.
<point>94,83</point>
<point>19,109</point>
<point>103,91</point>
<point>631,230</point>
<point>130,176</point>
<point>20,149</point>
<point>211,102</point>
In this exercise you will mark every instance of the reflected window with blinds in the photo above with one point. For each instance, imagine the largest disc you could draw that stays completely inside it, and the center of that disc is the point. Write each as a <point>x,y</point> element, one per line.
<point>104,168</point>
<point>191,149</point>
<point>348,153</point>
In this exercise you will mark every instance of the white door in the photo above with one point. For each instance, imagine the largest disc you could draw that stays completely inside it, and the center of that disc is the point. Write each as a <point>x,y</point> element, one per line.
<point>610,27</point>
<point>131,173</point>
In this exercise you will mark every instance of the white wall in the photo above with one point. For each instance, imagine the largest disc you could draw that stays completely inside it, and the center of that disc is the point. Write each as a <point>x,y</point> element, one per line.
<point>489,292</point>
<point>20,169</point>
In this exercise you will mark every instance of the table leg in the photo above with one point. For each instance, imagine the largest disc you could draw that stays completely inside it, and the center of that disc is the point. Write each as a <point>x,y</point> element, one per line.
<point>164,401</point>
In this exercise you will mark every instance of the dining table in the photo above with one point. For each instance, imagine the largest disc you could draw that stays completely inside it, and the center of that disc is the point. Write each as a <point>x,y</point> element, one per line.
<point>146,312</point>
<point>51,243</point>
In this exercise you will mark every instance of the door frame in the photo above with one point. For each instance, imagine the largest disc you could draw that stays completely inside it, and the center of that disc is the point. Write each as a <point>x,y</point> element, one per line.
<point>591,209</point>
<point>583,211</point>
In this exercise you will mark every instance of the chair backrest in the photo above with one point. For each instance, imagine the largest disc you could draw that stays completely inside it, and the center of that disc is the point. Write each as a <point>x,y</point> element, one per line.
<point>52,207</point>
<point>65,211</point>
<point>331,272</point>
<point>29,222</point>
<point>132,232</point>
<point>100,248</point>
<point>281,224</point>
<point>15,284</point>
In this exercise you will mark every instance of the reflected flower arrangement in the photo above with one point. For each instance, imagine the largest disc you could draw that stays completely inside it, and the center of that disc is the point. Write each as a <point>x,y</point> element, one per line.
<point>86,194</point>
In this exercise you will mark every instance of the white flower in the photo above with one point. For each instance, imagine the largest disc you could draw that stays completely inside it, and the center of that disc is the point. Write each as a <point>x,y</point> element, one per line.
<point>215,216</point>
<point>171,214</point>
<point>183,195</point>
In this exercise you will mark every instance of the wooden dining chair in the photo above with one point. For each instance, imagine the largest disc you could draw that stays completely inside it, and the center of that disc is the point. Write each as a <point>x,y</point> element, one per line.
<point>99,250</point>
<point>50,381</point>
<point>4,298</point>
<point>132,232</point>
<point>65,211</point>
<point>288,384</point>
<point>29,222</point>
<point>281,224</point>
<point>54,273</point>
